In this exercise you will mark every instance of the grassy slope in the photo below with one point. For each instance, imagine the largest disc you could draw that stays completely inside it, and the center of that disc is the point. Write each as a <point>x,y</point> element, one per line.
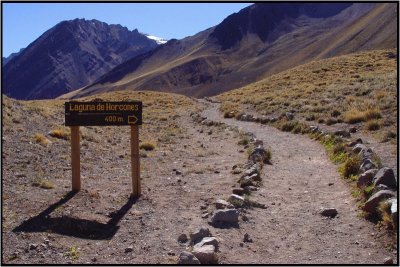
<point>329,90</point>
<point>45,116</point>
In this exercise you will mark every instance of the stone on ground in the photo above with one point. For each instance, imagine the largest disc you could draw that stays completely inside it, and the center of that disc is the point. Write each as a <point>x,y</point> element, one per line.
<point>373,202</point>
<point>230,216</point>
<point>386,176</point>
<point>199,235</point>
<point>187,258</point>
<point>205,254</point>
<point>208,241</point>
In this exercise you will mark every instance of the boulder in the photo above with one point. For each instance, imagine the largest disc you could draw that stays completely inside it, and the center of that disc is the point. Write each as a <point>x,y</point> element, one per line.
<point>386,177</point>
<point>355,142</point>
<point>208,241</point>
<point>366,178</point>
<point>328,212</point>
<point>388,261</point>
<point>222,204</point>
<point>258,142</point>
<point>128,249</point>
<point>366,165</point>
<point>236,200</point>
<point>250,180</point>
<point>357,148</point>
<point>264,119</point>
<point>246,117</point>
<point>238,191</point>
<point>247,238</point>
<point>352,130</point>
<point>373,202</point>
<point>259,154</point>
<point>199,235</point>
<point>229,216</point>
<point>250,188</point>
<point>254,169</point>
<point>366,153</point>
<point>187,258</point>
<point>182,238</point>
<point>379,187</point>
<point>205,254</point>
<point>314,129</point>
<point>393,212</point>
<point>344,134</point>
<point>289,116</point>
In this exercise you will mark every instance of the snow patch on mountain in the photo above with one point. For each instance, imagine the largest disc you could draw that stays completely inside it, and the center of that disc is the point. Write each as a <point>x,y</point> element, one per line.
<point>159,40</point>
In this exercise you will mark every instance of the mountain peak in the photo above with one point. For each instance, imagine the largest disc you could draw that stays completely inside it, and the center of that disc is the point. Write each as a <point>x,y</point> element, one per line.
<point>261,19</point>
<point>72,54</point>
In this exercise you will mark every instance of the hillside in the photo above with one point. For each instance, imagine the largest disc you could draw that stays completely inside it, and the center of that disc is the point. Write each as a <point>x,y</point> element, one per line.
<point>263,39</point>
<point>192,160</point>
<point>353,91</point>
<point>68,56</point>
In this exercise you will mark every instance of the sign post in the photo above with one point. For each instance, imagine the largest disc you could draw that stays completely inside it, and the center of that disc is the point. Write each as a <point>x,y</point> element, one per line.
<point>136,189</point>
<point>104,114</point>
<point>75,159</point>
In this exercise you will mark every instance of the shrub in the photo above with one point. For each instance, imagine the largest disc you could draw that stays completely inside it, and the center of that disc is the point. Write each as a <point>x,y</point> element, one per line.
<point>351,166</point>
<point>385,214</point>
<point>148,146</point>
<point>368,191</point>
<point>373,125</point>
<point>335,113</point>
<point>268,155</point>
<point>331,121</point>
<point>310,117</point>
<point>229,114</point>
<point>245,140</point>
<point>288,126</point>
<point>388,135</point>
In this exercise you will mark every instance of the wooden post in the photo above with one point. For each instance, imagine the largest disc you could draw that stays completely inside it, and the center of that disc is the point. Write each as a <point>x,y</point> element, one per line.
<point>75,159</point>
<point>135,161</point>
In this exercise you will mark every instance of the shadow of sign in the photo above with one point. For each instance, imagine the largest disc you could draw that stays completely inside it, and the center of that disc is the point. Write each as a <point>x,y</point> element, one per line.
<point>72,226</point>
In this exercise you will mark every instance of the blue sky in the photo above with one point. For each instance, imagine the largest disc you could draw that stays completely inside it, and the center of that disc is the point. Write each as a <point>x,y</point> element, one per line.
<point>24,22</point>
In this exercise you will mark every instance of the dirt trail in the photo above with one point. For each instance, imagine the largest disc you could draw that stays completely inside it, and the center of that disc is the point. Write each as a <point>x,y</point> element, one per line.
<point>296,186</point>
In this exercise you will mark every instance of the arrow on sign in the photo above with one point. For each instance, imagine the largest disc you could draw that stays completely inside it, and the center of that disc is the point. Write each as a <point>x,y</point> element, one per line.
<point>132,119</point>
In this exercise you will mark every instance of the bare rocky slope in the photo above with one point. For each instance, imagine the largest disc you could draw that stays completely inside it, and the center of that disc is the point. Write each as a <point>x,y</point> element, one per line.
<point>257,41</point>
<point>68,56</point>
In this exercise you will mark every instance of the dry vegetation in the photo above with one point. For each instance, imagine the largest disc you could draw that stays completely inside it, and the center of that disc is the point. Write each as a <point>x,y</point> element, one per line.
<point>355,89</point>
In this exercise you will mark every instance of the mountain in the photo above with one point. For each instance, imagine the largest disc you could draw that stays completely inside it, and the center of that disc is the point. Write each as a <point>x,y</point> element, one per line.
<point>252,44</point>
<point>11,56</point>
<point>70,55</point>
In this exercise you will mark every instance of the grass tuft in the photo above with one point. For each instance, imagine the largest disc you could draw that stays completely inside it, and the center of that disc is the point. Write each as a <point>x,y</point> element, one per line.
<point>148,146</point>
<point>40,138</point>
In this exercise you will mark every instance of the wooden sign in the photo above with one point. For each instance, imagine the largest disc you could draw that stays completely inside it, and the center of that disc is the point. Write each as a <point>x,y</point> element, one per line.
<point>104,114</point>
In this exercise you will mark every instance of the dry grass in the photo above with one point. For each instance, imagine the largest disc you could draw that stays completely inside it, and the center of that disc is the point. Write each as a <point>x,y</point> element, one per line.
<point>61,133</point>
<point>355,88</point>
<point>40,138</point>
<point>42,183</point>
<point>355,115</point>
